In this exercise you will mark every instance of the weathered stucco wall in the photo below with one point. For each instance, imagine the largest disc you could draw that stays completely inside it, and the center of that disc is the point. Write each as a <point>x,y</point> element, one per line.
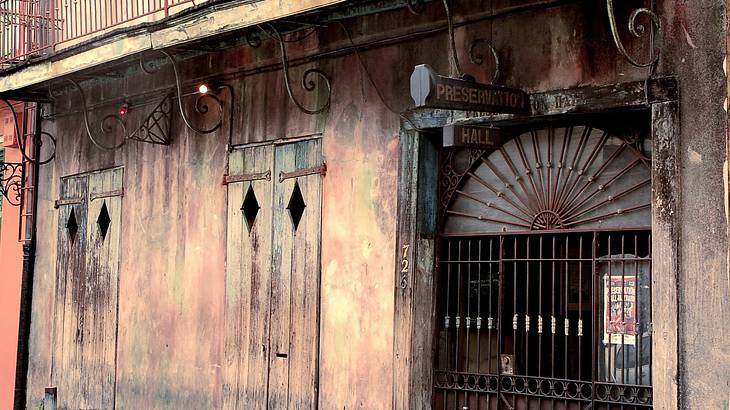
<point>694,47</point>
<point>171,284</point>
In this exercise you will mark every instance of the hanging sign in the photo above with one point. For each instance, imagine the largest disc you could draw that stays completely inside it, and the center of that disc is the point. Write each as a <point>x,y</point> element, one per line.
<point>471,136</point>
<point>429,89</point>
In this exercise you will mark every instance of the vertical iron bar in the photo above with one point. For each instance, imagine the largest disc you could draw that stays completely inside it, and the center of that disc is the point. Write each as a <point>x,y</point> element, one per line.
<point>651,312</point>
<point>457,318</point>
<point>623,309</point>
<point>500,311</point>
<point>553,319</point>
<point>527,310</point>
<point>490,319</point>
<point>539,312</point>
<point>638,324</point>
<point>565,301</point>
<point>479,314</point>
<point>468,310</point>
<point>608,304</point>
<point>594,312</point>
<point>514,307</point>
<point>580,309</point>
<point>447,316</point>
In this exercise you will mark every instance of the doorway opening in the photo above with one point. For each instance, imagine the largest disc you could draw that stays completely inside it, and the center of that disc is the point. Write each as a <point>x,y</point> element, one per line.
<point>544,274</point>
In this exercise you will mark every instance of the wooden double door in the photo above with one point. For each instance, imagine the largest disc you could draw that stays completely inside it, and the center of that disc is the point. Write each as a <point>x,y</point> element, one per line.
<point>273,276</point>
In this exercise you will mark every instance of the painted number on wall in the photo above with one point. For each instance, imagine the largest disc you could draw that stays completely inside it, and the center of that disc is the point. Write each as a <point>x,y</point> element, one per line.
<point>405,266</point>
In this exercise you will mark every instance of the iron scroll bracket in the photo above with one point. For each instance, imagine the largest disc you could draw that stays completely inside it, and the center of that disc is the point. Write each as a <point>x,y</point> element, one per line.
<point>322,170</point>
<point>637,30</point>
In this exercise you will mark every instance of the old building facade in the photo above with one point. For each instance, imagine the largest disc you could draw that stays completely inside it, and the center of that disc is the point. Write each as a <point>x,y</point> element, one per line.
<point>377,204</point>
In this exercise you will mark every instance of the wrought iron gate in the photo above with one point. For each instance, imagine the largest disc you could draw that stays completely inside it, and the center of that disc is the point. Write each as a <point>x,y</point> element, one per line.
<point>544,282</point>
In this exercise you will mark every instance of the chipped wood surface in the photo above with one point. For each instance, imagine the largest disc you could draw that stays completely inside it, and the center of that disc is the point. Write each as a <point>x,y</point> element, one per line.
<point>248,284</point>
<point>85,318</point>
<point>294,340</point>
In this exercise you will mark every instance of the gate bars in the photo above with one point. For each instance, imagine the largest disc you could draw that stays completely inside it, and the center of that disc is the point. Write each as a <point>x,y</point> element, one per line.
<point>557,319</point>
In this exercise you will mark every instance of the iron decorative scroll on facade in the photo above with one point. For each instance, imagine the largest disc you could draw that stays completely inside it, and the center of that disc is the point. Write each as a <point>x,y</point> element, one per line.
<point>11,182</point>
<point>156,128</point>
<point>637,30</point>
<point>308,84</point>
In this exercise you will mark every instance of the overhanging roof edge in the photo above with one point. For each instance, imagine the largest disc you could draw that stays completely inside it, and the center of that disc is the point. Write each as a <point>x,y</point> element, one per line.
<point>188,30</point>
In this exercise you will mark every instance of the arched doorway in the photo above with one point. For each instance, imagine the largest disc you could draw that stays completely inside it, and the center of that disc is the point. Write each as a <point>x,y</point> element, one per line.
<point>544,283</point>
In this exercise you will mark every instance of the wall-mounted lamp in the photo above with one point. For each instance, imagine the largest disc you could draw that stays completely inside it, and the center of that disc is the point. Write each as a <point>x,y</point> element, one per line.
<point>123,110</point>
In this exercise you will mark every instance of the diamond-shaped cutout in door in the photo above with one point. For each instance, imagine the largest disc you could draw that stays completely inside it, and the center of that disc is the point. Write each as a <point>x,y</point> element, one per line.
<point>72,226</point>
<point>103,221</point>
<point>296,205</point>
<point>250,208</point>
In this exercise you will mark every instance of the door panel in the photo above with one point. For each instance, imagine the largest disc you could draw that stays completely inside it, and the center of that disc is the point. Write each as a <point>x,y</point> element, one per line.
<point>84,361</point>
<point>295,285</point>
<point>272,277</point>
<point>248,273</point>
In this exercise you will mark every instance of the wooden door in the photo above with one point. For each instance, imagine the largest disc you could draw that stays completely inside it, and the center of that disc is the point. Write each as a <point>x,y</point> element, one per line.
<point>272,277</point>
<point>295,277</point>
<point>85,313</point>
<point>248,278</point>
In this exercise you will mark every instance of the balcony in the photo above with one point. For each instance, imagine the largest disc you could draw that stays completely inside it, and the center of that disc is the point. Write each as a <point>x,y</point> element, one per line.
<point>36,28</point>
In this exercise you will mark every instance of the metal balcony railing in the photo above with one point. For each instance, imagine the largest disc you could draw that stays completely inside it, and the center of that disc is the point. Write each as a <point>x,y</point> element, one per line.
<point>33,28</point>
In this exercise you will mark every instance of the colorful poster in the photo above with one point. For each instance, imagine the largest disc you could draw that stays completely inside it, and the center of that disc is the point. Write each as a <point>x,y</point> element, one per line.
<point>619,295</point>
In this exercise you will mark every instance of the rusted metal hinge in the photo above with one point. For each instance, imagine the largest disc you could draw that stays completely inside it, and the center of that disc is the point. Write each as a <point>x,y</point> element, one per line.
<point>230,179</point>
<point>67,201</point>
<point>109,194</point>
<point>322,170</point>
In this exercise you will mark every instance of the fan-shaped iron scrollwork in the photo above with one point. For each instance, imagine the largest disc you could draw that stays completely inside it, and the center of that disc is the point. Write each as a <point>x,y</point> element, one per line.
<point>11,182</point>
<point>553,178</point>
<point>637,30</point>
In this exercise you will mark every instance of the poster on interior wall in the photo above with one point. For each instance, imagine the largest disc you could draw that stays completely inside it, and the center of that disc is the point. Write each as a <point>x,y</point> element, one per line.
<point>619,295</point>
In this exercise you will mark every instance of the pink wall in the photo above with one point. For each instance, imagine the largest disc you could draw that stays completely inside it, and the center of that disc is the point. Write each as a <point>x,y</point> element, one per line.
<point>11,255</point>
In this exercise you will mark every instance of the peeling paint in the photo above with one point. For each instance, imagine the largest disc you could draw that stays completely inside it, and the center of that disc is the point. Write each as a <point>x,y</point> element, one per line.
<point>694,156</point>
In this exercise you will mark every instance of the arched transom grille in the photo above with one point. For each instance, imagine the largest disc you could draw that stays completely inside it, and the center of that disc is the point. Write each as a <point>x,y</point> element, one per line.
<point>552,178</point>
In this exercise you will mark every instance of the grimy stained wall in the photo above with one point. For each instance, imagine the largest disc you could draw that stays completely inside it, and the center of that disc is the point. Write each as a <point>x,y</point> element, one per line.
<point>172,257</point>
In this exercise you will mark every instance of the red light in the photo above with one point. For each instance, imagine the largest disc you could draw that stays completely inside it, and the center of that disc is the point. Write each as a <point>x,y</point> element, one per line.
<point>123,110</point>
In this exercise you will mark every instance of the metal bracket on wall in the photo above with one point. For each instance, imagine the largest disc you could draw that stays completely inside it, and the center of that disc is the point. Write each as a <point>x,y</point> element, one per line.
<point>308,83</point>
<point>67,201</point>
<point>477,58</point>
<point>36,138</point>
<point>155,129</point>
<point>11,182</point>
<point>108,194</point>
<point>637,30</point>
<point>322,170</point>
<point>230,179</point>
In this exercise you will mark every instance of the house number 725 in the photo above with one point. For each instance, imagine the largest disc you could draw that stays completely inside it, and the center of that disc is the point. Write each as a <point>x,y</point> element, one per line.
<point>405,264</point>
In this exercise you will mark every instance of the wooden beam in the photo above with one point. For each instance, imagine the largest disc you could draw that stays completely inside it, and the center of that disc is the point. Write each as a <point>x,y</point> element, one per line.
<point>415,272</point>
<point>666,250</point>
<point>581,100</point>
